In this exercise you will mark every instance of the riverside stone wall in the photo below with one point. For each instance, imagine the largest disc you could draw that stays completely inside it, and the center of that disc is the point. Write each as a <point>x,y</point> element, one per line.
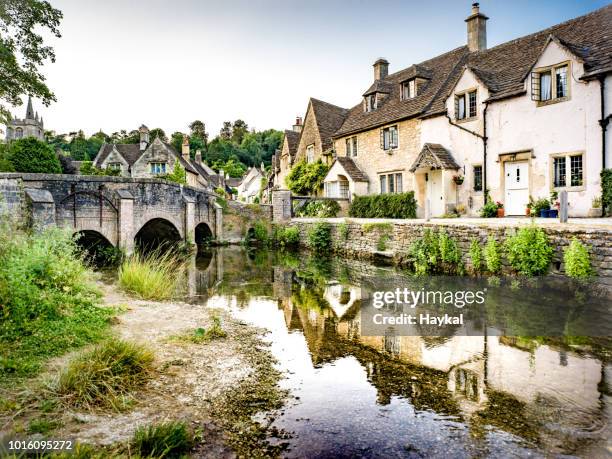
<point>390,240</point>
<point>238,218</point>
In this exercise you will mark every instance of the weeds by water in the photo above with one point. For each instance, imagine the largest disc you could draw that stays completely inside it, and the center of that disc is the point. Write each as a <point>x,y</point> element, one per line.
<point>164,440</point>
<point>154,276</point>
<point>202,335</point>
<point>104,376</point>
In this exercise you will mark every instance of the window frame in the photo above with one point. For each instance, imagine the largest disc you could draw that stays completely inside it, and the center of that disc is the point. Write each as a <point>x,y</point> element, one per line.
<point>351,146</point>
<point>390,180</point>
<point>474,167</point>
<point>309,149</point>
<point>152,167</point>
<point>536,86</point>
<point>115,165</point>
<point>567,156</point>
<point>371,102</point>
<point>411,86</point>
<point>465,96</point>
<point>383,142</point>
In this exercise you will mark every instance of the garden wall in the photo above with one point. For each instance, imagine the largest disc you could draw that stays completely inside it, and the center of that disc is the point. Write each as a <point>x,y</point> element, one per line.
<point>390,239</point>
<point>238,218</point>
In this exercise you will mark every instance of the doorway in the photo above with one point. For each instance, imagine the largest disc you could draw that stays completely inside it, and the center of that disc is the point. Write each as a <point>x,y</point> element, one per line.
<point>435,192</point>
<point>517,187</point>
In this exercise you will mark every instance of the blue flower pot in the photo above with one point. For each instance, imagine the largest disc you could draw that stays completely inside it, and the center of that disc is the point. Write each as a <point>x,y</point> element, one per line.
<point>544,213</point>
<point>553,213</point>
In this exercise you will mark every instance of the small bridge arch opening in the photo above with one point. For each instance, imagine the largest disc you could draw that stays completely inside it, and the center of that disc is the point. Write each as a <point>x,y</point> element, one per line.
<point>94,244</point>
<point>157,233</point>
<point>203,235</point>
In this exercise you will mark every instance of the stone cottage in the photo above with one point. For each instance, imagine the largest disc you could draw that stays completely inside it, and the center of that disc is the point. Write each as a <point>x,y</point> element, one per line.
<point>30,126</point>
<point>250,187</point>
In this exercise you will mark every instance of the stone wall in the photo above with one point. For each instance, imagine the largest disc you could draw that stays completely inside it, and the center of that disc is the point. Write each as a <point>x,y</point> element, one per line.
<point>361,238</point>
<point>238,218</point>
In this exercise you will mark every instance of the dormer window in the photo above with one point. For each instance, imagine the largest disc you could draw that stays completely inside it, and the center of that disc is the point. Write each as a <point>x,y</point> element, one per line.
<point>370,102</point>
<point>465,105</point>
<point>158,168</point>
<point>550,84</point>
<point>409,89</point>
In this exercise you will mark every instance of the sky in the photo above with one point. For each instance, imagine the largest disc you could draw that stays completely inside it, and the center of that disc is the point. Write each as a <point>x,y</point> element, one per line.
<point>166,63</point>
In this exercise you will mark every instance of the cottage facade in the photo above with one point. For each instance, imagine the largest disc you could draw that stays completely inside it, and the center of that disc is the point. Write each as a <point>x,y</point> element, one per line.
<point>250,187</point>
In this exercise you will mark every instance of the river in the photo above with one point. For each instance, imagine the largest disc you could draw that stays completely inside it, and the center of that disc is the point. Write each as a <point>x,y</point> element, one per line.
<point>492,391</point>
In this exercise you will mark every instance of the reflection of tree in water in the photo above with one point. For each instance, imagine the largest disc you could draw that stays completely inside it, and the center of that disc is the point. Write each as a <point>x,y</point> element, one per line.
<point>435,341</point>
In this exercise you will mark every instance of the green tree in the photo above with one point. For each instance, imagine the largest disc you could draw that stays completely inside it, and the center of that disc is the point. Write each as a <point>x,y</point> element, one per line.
<point>198,129</point>
<point>226,131</point>
<point>157,132</point>
<point>32,155</point>
<point>176,140</point>
<point>233,167</point>
<point>5,163</point>
<point>178,174</point>
<point>306,178</point>
<point>23,51</point>
<point>239,130</point>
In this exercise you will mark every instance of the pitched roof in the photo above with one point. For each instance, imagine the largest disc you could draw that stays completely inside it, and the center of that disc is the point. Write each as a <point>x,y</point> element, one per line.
<point>129,151</point>
<point>185,164</point>
<point>502,69</point>
<point>293,140</point>
<point>351,169</point>
<point>329,119</point>
<point>436,156</point>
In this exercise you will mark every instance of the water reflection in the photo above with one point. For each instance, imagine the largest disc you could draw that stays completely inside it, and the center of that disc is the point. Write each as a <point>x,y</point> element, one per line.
<point>407,396</point>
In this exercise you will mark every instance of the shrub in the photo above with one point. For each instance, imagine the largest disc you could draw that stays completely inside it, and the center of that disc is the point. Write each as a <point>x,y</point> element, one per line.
<point>105,374</point>
<point>577,260</point>
<point>391,205</point>
<point>450,255</point>
<point>87,168</point>
<point>489,210</point>
<point>306,178</point>
<point>343,231</point>
<point>202,335</point>
<point>320,209</point>
<point>285,236</point>
<point>178,174</point>
<point>492,255</point>
<point>32,155</point>
<point>435,253</point>
<point>154,276</point>
<point>164,440</point>
<point>319,237</point>
<point>606,190</point>
<point>260,233</point>
<point>538,205</point>
<point>528,251</point>
<point>476,255</point>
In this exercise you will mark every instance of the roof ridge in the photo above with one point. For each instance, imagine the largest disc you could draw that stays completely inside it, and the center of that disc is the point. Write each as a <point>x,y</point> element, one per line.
<point>421,64</point>
<point>327,103</point>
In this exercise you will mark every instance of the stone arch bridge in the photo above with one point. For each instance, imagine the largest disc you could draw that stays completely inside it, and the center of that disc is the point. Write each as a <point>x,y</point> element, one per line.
<point>121,210</point>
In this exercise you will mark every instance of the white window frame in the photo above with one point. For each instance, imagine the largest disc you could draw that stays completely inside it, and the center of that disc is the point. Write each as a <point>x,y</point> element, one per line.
<point>310,155</point>
<point>387,139</point>
<point>389,180</point>
<point>536,83</point>
<point>568,171</point>
<point>351,146</point>
<point>465,97</point>
<point>409,89</point>
<point>157,168</point>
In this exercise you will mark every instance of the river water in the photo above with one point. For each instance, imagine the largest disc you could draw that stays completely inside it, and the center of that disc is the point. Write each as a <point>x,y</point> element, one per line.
<point>499,392</point>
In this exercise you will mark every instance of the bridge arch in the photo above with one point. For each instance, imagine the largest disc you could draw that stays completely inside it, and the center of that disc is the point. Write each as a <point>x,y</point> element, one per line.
<point>157,232</point>
<point>94,244</point>
<point>203,235</point>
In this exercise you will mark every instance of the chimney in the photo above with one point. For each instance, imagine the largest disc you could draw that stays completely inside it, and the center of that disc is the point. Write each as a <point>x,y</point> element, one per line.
<point>297,127</point>
<point>476,29</point>
<point>381,68</point>
<point>198,156</point>
<point>185,148</point>
<point>144,137</point>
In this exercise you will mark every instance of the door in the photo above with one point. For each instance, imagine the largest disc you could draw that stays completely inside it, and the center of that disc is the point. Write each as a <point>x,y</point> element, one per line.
<point>434,193</point>
<point>517,188</point>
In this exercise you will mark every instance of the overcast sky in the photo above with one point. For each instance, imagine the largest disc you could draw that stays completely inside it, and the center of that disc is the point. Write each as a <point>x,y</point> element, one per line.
<point>165,63</point>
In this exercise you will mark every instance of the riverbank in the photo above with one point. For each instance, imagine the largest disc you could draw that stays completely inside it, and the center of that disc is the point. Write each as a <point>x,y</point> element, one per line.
<point>195,380</point>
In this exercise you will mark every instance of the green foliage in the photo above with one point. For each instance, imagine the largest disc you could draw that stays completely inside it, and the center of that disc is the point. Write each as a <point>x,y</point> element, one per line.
<point>260,233</point>
<point>529,251</point>
<point>202,335</point>
<point>48,301</point>
<point>449,250</point>
<point>343,230</point>
<point>232,166</point>
<point>165,440</point>
<point>104,375</point>
<point>435,253</point>
<point>476,255</point>
<point>382,227</point>
<point>5,163</point>
<point>325,208</point>
<point>285,236</point>
<point>23,24</point>
<point>391,205</point>
<point>306,178</point>
<point>319,237</point>
<point>492,255</point>
<point>178,174</point>
<point>87,168</point>
<point>489,210</point>
<point>577,260</point>
<point>154,276</point>
<point>606,190</point>
<point>538,205</point>
<point>32,155</point>
<point>42,426</point>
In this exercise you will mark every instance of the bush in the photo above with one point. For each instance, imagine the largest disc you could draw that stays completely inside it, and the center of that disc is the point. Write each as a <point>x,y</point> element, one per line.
<point>178,174</point>
<point>476,255</point>
<point>343,231</point>
<point>165,440</point>
<point>489,210</point>
<point>319,237</point>
<point>528,251</point>
<point>202,335</point>
<point>492,255</point>
<point>154,276</point>
<point>320,209</point>
<point>285,236</point>
<point>391,205</point>
<point>606,190</point>
<point>306,178</point>
<point>87,168</point>
<point>538,205</point>
<point>435,253</point>
<point>32,155</point>
<point>104,375</point>
<point>577,260</point>
<point>260,233</point>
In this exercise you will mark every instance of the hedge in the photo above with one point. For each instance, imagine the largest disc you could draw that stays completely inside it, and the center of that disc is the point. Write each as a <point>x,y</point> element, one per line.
<point>606,191</point>
<point>398,205</point>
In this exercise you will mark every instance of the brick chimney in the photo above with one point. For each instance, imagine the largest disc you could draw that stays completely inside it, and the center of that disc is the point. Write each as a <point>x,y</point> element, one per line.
<point>476,29</point>
<point>198,156</point>
<point>297,127</point>
<point>144,137</point>
<point>381,68</point>
<point>185,148</point>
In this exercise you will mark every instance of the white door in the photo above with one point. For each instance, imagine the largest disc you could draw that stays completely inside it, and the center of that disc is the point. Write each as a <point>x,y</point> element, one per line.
<point>517,188</point>
<point>434,193</point>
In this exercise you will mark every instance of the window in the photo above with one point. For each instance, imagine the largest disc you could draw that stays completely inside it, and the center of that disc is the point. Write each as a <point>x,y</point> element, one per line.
<point>561,165</point>
<point>409,89</point>
<point>337,189</point>
<point>550,84</point>
<point>477,178</point>
<point>114,166</point>
<point>18,133</point>
<point>389,138</point>
<point>391,183</point>
<point>370,102</point>
<point>465,105</point>
<point>351,146</point>
<point>310,154</point>
<point>158,168</point>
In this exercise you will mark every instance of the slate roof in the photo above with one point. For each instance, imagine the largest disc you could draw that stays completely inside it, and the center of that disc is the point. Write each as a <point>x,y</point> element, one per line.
<point>293,140</point>
<point>502,69</point>
<point>351,169</point>
<point>329,118</point>
<point>187,165</point>
<point>436,156</point>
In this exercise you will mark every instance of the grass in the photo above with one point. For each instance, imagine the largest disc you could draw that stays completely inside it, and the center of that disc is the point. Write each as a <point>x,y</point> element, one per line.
<point>42,426</point>
<point>104,375</point>
<point>154,276</point>
<point>164,440</point>
<point>201,335</point>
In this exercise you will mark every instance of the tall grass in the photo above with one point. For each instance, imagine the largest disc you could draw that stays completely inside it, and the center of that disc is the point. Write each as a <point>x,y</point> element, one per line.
<point>152,276</point>
<point>164,440</point>
<point>105,374</point>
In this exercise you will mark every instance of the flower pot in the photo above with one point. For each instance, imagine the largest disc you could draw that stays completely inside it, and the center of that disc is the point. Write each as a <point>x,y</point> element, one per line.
<point>543,213</point>
<point>500,213</point>
<point>553,213</point>
<point>528,211</point>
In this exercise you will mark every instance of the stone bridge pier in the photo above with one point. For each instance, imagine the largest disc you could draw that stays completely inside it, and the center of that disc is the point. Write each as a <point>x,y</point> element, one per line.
<point>122,211</point>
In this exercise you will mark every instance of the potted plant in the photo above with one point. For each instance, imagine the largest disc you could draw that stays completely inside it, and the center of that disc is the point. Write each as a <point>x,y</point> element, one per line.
<point>458,179</point>
<point>553,211</point>
<point>500,209</point>
<point>541,207</point>
<point>529,206</point>
<point>595,210</point>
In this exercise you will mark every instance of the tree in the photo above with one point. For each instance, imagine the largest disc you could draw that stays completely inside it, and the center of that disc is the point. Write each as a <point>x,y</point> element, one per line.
<point>23,51</point>
<point>306,178</point>
<point>232,167</point>
<point>226,131</point>
<point>32,155</point>
<point>178,174</point>
<point>5,163</point>
<point>157,132</point>
<point>239,130</point>
<point>198,129</point>
<point>176,140</point>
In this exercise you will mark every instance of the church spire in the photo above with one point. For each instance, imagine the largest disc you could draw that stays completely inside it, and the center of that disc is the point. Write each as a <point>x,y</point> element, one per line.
<point>30,110</point>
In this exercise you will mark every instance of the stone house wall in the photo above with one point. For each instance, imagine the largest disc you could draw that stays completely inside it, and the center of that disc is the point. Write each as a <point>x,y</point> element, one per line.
<point>310,136</point>
<point>238,218</point>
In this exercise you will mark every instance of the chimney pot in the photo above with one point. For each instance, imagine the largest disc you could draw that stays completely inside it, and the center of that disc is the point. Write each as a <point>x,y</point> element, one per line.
<point>381,68</point>
<point>297,127</point>
<point>144,137</point>
<point>476,29</point>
